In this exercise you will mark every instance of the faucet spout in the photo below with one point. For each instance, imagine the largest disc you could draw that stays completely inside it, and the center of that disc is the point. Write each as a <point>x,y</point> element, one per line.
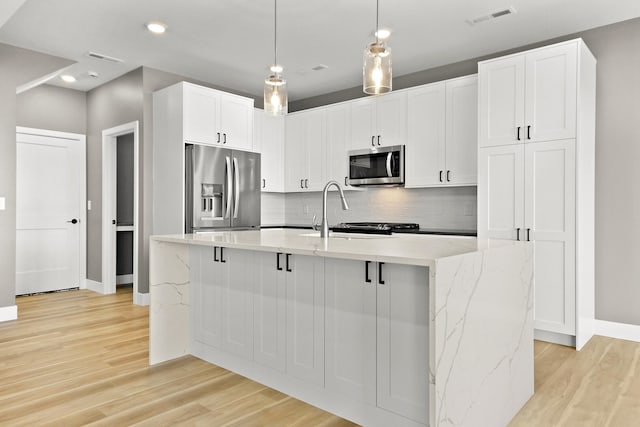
<point>324,230</point>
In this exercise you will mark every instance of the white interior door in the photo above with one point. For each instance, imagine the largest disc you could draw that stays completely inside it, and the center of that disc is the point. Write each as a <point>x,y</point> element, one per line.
<point>49,187</point>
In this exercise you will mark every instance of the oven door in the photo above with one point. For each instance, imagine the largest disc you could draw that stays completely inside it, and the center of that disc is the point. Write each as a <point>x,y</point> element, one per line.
<point>377,166</point>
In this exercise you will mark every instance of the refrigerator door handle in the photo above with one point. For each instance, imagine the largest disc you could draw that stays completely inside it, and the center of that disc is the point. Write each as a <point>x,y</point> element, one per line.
<point>236,185</point>
<point>229,186</point>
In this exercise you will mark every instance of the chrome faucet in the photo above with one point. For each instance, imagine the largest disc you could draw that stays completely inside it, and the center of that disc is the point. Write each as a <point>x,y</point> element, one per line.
<point>324,226</point>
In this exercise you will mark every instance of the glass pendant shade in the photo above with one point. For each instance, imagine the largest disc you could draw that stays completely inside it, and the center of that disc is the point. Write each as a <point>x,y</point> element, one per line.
<point>376,69</point>
<point>275,95</point>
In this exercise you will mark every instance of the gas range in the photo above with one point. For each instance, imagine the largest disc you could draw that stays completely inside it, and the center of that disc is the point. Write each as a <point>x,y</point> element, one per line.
<point>374,227</point>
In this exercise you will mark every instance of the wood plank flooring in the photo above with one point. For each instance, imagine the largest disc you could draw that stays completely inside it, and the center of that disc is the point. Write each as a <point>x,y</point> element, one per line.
<point>80,358</point>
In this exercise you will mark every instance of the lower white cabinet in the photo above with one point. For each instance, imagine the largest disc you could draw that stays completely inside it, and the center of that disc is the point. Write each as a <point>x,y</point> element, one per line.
<point>223,299</point>
<point>377,335</point>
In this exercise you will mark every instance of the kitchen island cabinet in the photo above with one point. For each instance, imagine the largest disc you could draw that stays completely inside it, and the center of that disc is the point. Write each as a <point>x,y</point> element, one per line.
<point>442,336</point>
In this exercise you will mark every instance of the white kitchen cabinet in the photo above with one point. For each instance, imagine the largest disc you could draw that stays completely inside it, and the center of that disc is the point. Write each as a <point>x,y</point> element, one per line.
<point>379,121</point>
<point>350,310</point>
<point>527,193</point>
<point>304,151</point>
<point>540,187</point>
<point>338,142</point>
<point>529,97</point>
<point>269,142</point>
<point>305,317</point>
<point>222,296</point>
<point>377,335</point>
<point>269,310</point>
<point>442,128</point>
<point>217,118</point>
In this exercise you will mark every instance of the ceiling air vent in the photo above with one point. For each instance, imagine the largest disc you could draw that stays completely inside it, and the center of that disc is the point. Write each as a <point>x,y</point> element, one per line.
<point>102,57</point>
<point>493,15</point>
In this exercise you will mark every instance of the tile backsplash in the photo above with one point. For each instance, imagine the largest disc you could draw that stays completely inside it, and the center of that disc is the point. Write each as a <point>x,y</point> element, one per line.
<point>452,207</point>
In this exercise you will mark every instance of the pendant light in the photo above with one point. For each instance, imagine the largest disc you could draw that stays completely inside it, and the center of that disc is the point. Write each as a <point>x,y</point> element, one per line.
<point>275,87</point>
<point>376,68</point>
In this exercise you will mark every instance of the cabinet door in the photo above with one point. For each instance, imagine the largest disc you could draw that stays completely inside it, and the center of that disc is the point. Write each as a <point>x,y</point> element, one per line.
<point>269,142</point>
<point>363,115</point>
<point>236,122</point>
<point>201,106</point>
<point>550,214</point>
<point>236,281</point>
<point>350,310</point>
<point>315,150</point>
<point>551,85</point>
<point>501,101</point>
<point>295,153</point>
<point>269,311</point>
<point>425,150</point>
<point>501,192</point>
<point>403,341</point>
<point>338,143</point>
<point>391,119</point>
<point>462,131</point>
<point>206,286</point>
<point>305,318</point>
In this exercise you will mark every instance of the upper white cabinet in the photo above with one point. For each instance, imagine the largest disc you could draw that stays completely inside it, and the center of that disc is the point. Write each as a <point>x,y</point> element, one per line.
<point>379,121</point>
<point>442,134</point>
<point>529,97</point>
<point>536,176</point>
<point>304,151</point>
<point>338,142</point>
<point>217,118</point>
<point>269,142</point>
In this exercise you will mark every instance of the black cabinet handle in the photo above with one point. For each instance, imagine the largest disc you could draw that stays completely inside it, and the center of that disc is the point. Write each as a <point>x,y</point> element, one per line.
<point>528,234</point>
<point>222,255</point>
<point>373,144</point>
<point>517,234</point>
<point>218,136</point>
<point>440,176</point>
<point>264,183</point>
<point>287,259</point>
<point>215,254</point>
<point>306,183</point>
<point>224,141</point>
<point>378,139</point>
<point>366,272</point>
<point>75,221</point>
<point>529,132</point>
<point>302,183</point>
<point>448,173</point>
<point>518,134</point>
<point>278,267</point>
<point>380,281</point>
<point>345,181</point>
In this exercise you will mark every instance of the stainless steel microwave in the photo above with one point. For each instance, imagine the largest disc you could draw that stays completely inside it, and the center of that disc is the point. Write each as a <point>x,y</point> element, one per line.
<point>377,166</point>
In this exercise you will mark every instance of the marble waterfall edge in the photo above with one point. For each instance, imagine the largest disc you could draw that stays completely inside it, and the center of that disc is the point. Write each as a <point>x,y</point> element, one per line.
<point>481,337</point>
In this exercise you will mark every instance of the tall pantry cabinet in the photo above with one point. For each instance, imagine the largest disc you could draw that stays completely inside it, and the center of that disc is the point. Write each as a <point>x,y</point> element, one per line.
<point>536,167</point>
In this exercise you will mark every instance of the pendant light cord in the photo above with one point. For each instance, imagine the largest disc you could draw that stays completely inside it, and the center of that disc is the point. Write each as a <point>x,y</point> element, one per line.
<point>275,32</point>
<point>377,23</point>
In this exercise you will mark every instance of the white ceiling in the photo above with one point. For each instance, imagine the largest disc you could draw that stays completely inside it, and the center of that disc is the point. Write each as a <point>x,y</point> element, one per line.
<point>230,43</point>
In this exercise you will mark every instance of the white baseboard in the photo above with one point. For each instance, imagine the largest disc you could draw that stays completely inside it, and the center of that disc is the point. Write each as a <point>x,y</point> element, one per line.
<point>94,286</point>
<point>621,331</point>
<point>124,278</point>
<point>141,299</point>
<point>554,337</point>
<point>8,313</point>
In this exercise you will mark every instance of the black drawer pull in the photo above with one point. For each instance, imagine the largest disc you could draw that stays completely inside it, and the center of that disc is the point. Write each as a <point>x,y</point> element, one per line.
<point>380,264</point>
<point>215,254</point>
<point>287,267</point>
<point>366,272</point>
<point>222,255</point>
<point>278,267</point>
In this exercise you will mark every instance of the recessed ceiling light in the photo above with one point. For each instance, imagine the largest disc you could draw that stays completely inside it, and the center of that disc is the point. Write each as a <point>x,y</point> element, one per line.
<point>68,78</point>
<point>382,33</point>
<point>156,27</point>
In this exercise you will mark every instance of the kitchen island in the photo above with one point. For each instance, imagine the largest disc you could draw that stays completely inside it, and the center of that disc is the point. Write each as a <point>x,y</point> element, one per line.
<point>382,330</point>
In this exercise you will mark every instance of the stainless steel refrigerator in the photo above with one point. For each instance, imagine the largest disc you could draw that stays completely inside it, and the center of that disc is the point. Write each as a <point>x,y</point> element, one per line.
<point>222,189</point>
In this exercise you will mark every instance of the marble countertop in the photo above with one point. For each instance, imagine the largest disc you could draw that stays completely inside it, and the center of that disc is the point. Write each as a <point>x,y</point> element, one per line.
<point>409,249</point>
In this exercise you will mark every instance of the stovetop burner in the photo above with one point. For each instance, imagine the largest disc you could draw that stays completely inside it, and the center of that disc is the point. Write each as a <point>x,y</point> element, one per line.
<point>374,227</point>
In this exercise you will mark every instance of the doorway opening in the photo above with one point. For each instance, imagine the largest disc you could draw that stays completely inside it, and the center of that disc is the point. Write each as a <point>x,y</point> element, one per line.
<point>120,213</point>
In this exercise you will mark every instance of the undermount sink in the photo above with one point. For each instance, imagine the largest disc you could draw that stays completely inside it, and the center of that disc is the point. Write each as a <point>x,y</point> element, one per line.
<point>348,236</point>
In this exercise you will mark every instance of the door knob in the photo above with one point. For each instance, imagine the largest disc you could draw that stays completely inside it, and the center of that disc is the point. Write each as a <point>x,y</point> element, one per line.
<point>73,221</point>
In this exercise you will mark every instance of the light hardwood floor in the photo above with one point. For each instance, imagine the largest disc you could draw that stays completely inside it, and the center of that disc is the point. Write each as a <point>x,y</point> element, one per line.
<point>77,358</point>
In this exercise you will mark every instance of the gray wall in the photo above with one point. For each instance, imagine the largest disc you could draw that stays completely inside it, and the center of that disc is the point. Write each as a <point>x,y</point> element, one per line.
<point>112,104</point>
<point>53,108</point>
<point>617,49</point>
<point>17,67</point>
